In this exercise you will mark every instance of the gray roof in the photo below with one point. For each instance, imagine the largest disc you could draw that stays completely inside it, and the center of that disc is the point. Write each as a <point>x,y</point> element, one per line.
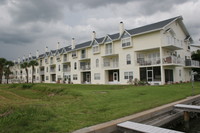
<point>82,45</point>
<point>116,36</point>
<point>150,27</point>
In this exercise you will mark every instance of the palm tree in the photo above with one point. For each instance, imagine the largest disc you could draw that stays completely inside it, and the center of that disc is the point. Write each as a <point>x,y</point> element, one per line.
<point>2,64</point>
<point>33,63</point>
<point>7,70</point>
<point>25,66</point>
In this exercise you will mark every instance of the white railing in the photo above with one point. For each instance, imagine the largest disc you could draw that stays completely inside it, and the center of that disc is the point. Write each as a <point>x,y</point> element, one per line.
<point>67,69</point>
<point>111,64</point>
<point>173,41</point>
<point>41,72</point>
<point>193,63</point>
<point>173,60</point>
<point>146,62</point>
<point>85,67</point>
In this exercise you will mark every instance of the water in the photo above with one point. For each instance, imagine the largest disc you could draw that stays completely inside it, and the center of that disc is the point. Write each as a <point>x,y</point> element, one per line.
<point>179,125</point>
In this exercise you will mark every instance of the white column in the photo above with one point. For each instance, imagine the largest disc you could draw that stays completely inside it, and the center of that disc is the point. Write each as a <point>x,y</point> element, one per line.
<point>161,67</point>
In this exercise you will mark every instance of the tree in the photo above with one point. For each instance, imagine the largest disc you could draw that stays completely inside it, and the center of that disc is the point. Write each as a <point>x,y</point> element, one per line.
<point>25,66</point>
<point>7,70</point>
<point>196,56</point>
<point>2,64</point>
<point>33,63</point>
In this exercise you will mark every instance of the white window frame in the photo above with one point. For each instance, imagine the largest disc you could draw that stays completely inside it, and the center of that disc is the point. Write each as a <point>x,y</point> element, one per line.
<point>74,54</point>
<point>128,59</point>
<point>109,51</point>
<point>128,75</point>
<point>75,77</point>
<point>126,42</point>
<point>95,49</point>
<point>97,62</point>
<point>97,76</point>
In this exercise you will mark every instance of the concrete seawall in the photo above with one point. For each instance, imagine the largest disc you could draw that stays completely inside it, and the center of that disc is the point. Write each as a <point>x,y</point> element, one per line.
<point>142,117</point>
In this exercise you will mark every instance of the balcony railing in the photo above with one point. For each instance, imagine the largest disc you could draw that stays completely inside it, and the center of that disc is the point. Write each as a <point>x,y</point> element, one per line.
<point>192,63</point>
<point>171,41</point>
<point>85,67</point>
<point>52,70</point>
<point>41,72</point>
<point>173,60</point>
<point>111,64</point>
<point>146,62</point>
<point>83,56</point>
<point>67,69</point>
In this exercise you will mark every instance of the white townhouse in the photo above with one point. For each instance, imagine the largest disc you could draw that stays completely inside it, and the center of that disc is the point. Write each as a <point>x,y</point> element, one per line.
<point>158,53</point>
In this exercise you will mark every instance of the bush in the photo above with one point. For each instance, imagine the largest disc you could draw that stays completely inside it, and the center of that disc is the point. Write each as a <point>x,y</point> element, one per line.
<point>26,86</point>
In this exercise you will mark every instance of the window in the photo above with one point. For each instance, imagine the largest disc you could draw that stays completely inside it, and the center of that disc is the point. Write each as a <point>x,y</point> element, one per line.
<point>47,69</point>
<point>128,59</point>
<point>75,77</point>
<point>51,60</point>
<point>74,54</point>
<point>128,75</point>
<point>95,49</point>
<point>65,58</point>
<point>46,61</point>
<point>47,77</point>
<point>126,42</point>
<point>58,67</point>
<point>96,76</point>
<point>179,73</point>
<point>83,54</point>
<point>109,48</point>
<point>97,62</point>
<point>75,66</point>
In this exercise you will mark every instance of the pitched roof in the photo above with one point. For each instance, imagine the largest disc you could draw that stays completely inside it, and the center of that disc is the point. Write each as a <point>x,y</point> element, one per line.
<point>114,36</point>
<point>151,27</point>
<point>82,45</point>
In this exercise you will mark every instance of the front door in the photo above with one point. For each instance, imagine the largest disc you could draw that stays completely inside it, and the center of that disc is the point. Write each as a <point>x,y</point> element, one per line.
<point>88,77</point>
<point>115,76</point>
<point>149,75</point>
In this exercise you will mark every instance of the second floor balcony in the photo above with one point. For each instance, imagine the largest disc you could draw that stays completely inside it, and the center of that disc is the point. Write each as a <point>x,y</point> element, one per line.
<point>192,63</point>
<point>173,43</point>
<point>173,60</point>
<point>41,72</point>
<point>67,69</point>
<point>111,64</point>
<point>146,62</point>
<point>85,67</point>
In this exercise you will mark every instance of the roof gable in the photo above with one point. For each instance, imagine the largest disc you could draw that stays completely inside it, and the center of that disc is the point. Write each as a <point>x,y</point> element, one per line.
<point>107,39</point>
<point>125,35</point>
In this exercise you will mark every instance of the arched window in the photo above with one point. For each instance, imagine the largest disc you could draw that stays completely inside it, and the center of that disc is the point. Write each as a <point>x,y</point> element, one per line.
<point>75,65</point>
<point>128,59</point>
<point>97,62</point>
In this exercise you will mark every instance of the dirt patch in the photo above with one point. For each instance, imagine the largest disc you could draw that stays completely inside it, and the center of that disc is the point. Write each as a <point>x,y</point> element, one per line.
<point>6,113</point>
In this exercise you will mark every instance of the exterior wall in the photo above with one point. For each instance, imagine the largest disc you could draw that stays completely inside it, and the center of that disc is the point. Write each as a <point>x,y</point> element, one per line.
<point>147,43</point>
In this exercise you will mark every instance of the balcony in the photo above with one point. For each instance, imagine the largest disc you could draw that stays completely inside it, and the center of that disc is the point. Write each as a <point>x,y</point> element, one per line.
<point>41,72</point>
<point>147,62</point>
<point>85,67</point>
<point>173,43</point>
<point>68,69</point>
<point>52,71</point>
<point>192,63</point>
<point>110,64</point>
<point>173,60</point>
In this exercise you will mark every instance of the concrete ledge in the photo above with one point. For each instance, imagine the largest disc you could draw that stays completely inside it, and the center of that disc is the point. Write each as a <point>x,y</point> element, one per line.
<point>111,126</point>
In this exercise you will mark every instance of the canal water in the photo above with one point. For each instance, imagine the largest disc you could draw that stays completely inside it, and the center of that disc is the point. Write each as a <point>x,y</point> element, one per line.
<point>179,125</point>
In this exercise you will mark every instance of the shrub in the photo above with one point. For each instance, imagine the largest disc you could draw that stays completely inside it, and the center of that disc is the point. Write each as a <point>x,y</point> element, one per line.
<point>26,86</point>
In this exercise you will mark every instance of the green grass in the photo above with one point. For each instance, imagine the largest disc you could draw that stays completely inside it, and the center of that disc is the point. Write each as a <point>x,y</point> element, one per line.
<point>61,108</point>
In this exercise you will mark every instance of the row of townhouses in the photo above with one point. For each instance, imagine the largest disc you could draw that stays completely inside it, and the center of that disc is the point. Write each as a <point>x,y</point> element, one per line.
<point>158,53</point>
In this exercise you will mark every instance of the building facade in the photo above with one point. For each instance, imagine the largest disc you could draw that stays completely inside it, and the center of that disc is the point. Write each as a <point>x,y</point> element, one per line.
<point>158,53</point>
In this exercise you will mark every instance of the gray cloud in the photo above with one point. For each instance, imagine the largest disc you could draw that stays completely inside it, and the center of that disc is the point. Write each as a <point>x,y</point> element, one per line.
<point>24,11</point>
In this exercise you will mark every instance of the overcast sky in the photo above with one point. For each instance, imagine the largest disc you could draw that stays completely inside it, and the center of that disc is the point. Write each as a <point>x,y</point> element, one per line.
<point>30,25</point>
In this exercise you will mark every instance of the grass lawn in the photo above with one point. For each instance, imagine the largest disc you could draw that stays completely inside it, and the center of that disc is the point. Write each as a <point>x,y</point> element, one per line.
<point>61,108</point>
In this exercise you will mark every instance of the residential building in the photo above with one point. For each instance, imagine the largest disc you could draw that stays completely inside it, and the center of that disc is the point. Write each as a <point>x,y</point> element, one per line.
<point>158,53</point>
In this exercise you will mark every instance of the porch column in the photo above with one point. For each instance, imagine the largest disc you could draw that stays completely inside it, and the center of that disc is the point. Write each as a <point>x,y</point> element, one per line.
<point>161,67</point>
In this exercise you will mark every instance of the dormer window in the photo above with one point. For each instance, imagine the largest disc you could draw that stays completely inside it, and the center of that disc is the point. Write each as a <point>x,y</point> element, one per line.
<point>108,48</point>
<point>95,49</point>
<point>126,42</point>
<point>46,61</point>
<point>74,54</point>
